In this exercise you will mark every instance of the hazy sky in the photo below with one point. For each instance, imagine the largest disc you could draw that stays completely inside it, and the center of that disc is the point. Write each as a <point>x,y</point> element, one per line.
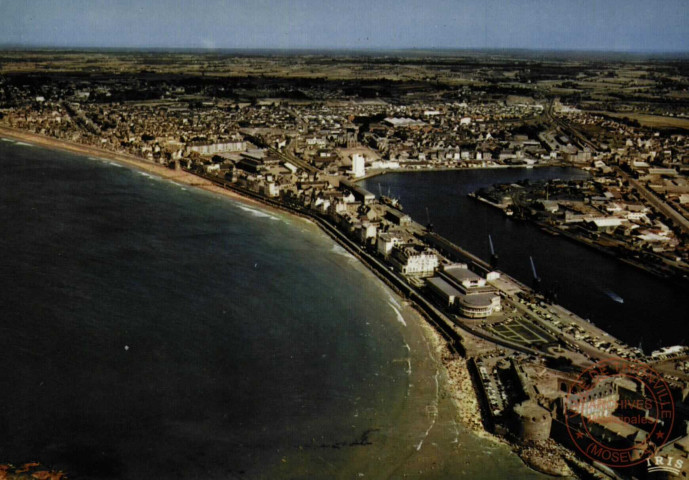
<point>640,25</point>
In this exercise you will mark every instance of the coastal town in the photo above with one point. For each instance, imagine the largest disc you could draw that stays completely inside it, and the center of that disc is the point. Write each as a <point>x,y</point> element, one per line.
<point>303,144</point>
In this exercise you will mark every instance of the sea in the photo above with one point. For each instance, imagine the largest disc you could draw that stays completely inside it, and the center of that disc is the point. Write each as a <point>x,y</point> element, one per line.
<point>631,304</point>
<point>151,330</point>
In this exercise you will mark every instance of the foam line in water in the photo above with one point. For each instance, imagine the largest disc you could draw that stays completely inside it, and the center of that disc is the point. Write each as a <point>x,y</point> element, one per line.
<point>393,301</point>
<point>400,318</point>
<point>258,213</point>
<point>151,176</point>
<point>432,409</point>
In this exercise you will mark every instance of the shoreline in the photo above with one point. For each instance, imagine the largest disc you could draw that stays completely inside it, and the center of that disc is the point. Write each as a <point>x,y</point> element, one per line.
<point>179,176</point>
<point>457,384</point>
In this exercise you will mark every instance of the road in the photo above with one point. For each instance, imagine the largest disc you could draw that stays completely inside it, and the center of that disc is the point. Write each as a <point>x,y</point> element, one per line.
<point>567,129</point>
<point>286,156</point>
<point>657,203</point>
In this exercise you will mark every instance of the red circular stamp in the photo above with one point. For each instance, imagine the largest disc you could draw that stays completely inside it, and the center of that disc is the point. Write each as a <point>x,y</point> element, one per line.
<point>619,412</point>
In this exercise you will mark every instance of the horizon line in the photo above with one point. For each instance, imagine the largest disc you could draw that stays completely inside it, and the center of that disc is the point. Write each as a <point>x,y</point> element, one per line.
<point>205,49</point>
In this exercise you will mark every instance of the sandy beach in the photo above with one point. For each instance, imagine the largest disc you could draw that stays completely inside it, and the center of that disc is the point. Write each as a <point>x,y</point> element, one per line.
<point>159,170</point>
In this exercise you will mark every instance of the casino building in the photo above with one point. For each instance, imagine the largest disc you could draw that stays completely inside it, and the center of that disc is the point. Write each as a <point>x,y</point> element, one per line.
<point>465,291</point>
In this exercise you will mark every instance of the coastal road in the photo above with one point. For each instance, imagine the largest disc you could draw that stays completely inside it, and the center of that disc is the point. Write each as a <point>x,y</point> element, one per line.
<point>446,325</point>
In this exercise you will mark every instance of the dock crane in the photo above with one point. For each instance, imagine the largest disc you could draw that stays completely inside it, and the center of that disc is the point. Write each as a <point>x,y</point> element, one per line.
<point>550,294</point>
<point>493,255</point>
<point>536,278</point>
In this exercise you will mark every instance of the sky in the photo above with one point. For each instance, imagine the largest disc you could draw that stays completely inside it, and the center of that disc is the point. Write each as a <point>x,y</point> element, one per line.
<point>608,25</point>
